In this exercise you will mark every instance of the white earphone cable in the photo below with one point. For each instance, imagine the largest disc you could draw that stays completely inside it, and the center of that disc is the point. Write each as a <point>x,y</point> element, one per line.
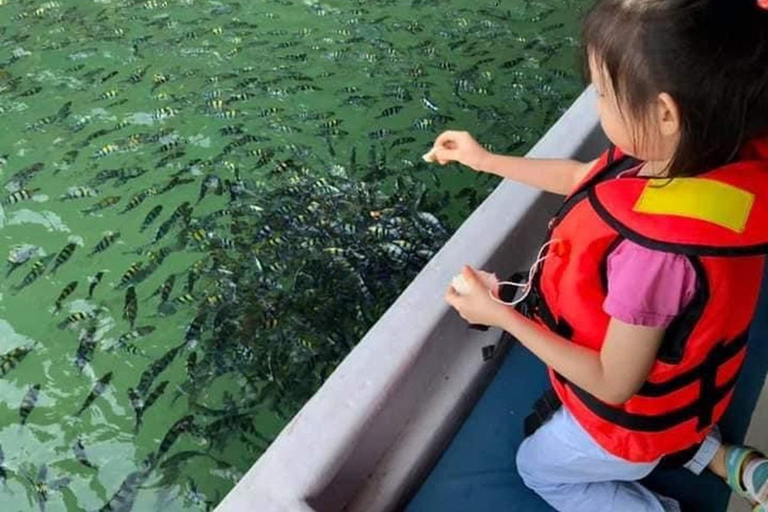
<point>531,272</point>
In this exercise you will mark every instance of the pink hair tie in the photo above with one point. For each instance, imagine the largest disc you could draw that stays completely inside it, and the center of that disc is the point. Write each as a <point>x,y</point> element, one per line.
<point>763,4</point>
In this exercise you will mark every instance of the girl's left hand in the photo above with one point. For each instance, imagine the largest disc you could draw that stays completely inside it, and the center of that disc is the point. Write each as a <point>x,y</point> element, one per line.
<point>476,307</point>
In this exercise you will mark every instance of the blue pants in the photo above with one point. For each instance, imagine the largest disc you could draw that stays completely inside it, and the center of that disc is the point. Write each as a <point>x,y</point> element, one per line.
<point>571,472</point>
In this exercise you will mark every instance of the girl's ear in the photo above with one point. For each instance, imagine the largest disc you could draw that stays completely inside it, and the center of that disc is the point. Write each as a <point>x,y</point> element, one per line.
<point>669,115</point>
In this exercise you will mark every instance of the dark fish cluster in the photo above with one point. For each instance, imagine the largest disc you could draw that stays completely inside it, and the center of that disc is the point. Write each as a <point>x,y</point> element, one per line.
<point>242,192</point>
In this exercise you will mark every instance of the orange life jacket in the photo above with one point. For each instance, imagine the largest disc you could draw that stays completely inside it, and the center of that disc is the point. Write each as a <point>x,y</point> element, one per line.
<point>719,221</point>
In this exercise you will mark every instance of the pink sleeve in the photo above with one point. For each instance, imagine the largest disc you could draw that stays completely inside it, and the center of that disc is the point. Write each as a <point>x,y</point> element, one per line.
<point>647,287</point>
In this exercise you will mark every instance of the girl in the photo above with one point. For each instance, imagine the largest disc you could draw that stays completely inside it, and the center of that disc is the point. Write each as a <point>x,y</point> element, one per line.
<point>652,268</point>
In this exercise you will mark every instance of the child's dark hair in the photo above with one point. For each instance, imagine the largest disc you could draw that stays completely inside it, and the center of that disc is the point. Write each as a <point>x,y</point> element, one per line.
<point>711,56</point>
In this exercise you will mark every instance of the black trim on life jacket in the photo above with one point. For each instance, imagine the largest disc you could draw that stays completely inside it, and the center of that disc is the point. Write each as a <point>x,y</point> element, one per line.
<point>549,403</point>
<point>543,410</point>
<point>534,306</point>
<point>603,267</point>
<point>612,169</point>
<point>676,335</point>
<point>688,249</point>
<point>702,408</point>
<point>658,389</point>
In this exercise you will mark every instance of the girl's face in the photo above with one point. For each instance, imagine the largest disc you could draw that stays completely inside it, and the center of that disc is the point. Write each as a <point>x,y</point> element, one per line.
<point>653,139</point>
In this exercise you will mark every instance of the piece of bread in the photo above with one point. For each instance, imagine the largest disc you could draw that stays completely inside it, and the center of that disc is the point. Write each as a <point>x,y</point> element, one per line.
<point>488,279</point>
<point>430,156</point>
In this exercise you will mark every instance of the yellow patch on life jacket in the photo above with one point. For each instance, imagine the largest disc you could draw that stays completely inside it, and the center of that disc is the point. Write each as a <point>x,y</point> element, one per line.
<point>698,198</point>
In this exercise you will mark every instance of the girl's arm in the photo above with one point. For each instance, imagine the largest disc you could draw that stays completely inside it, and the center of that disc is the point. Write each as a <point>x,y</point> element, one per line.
<point>556,176</point>
<point>613,375</point>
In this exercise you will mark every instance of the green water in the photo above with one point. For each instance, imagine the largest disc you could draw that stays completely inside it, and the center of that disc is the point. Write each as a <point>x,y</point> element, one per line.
<point>307,120</point>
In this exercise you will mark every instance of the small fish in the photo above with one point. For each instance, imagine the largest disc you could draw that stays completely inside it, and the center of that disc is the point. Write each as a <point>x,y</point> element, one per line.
<point>429,104</point>
<point>37,270</point>
<point>109,75</point>
<point>191,336</point>
<point>31,91</point>
<point>164,290</point>
<point>95,280</point>
<point>163,230</point>
<point>233,129</point>
<point>11,359</point>
<point>424,124</point>
<point>138,75</point>
<point>185,424</point>
<point>77,317</point>
<point>175,182</point>
<point>169,146</point>
<point>164,113</point>
<point>63,256</point>
<point>42,486</point>
<point>381,133</point>
<point>64,111</point>
<point>146,271</point>
<point>439,118</point>
<point>79,193</point>
<point>69,157</point>
<point>19,255</point>
<point>80,455</point>
<point>108,95</point>
<point>135,172</point>
<point>186,298</point>
<point>191,364</point>
<point>150,218</point>
<point>179,458</point>
<point>22,177</point>
<point>138,406</point>
<point>159,79</point>
<point>159,255</point>
<point>191,280</point>
<point>66,292</point>
<point>139,198</point>
<point>18,196</point>
<point>130,307</point>
<point>104,243</point>
<point>130,274</point>
<point>96,392</point>
<point>135,334</point>
<point>212,183</point>
<point>28,403</point>
<point>196,497</point>
<point>3,471</point>
<point>197,235</point>
<point>103,204</point>
<point>401,141</point>
<point>151,399</point>
<point>125,496</point>
<point>156,368</point>
<point>86,347</point>
<point>389,112</point>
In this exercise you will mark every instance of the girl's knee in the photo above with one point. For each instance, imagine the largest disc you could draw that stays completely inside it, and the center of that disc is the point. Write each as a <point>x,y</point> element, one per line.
<point>526,463</point>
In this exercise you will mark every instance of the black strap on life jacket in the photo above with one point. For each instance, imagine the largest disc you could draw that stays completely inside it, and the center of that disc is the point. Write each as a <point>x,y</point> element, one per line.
<point>543,409</point>
<point>702,408</point>
<point>549,403</point>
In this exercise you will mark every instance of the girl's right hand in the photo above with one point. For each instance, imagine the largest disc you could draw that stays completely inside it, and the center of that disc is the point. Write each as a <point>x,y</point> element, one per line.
<point>452,146</point>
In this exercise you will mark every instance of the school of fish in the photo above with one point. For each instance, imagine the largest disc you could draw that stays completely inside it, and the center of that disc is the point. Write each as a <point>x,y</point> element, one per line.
<point>205,206</point>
